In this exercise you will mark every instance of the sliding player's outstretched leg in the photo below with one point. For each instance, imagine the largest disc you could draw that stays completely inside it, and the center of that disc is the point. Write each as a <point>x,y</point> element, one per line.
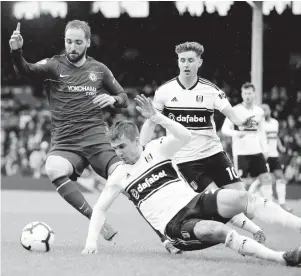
<point>59,169</point>
<point>229,202</point>
<point>216,232</point>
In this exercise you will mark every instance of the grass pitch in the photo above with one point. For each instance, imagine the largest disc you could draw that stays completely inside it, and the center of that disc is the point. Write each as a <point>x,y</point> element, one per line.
<point>136,250</point>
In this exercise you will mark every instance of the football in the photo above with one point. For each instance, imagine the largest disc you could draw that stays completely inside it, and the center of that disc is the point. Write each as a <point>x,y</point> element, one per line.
<point>37,236</point>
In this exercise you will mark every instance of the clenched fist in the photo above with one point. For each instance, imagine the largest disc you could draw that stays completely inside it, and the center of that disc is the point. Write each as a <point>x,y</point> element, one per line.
<point>16,40</point>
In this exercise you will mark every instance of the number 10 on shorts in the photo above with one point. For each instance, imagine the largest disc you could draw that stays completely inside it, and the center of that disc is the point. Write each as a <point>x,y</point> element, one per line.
<point>232,173</point>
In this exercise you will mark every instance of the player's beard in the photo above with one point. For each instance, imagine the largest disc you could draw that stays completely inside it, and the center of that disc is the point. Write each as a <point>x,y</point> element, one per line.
<point>78,57</point>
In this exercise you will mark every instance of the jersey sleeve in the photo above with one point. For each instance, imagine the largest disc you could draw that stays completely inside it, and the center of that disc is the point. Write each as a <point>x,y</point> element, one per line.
<point>42,69</point>
<point>220,101</point>
<point>158,101</point>
<point>114,88</point>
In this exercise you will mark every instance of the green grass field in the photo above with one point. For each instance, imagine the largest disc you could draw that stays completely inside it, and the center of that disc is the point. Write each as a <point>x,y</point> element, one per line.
<point>137,250</point>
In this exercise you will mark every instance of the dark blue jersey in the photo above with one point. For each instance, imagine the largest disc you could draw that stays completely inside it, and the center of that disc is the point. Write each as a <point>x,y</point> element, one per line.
<point>71,91</point>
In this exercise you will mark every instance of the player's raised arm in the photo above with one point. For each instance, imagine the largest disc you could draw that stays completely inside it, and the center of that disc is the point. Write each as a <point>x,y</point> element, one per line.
<point>21,66</point>
<point>117,96</point>
<point>98,218</point>
<point>148,128</point>
<point>180,134</point>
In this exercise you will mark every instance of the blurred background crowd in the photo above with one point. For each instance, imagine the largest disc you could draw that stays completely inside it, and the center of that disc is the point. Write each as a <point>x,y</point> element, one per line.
<point>140,53</point>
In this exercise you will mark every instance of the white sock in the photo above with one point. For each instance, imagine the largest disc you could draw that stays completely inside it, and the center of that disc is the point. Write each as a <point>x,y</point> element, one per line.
<point>267,191</point>
<point>254,186</point>
<point>281,191</point>
<point>270,212</point>
<point>243,222</point>
<point>249,247</point>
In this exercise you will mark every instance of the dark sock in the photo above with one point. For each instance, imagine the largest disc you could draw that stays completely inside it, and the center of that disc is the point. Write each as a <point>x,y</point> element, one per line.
<point>69,191</point>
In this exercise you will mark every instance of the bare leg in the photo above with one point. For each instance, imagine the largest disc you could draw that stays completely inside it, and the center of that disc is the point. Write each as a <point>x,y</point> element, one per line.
<point>242,221</point>
<point>233,202</point>
<point>266,186</point>
<point>215,232</point>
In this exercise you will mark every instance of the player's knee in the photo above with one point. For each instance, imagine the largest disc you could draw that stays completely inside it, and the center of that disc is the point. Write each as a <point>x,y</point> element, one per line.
<point>253,203</point>
<point>240,199</point>
<point>57,166</point>
<point>210,231</point>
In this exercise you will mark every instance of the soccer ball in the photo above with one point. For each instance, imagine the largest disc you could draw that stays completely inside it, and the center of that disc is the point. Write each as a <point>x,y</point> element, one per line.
<point>37,236</point>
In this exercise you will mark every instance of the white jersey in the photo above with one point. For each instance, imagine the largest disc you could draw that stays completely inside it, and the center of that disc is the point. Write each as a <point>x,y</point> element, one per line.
<point>194,109</point>
<point>154,185</point>
<point>247,141</point>
<point>272,129</point>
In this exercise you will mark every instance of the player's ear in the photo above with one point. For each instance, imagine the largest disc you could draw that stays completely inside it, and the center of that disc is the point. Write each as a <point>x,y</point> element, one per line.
<point>200,62</point>
<point>88,43</point>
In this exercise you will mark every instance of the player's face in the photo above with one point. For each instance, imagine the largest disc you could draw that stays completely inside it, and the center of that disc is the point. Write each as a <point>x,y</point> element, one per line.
<point>189,63</point>
<point>76,44</point>
<point>248,95</point>
<point>127,150</point>
<point>267,111</point>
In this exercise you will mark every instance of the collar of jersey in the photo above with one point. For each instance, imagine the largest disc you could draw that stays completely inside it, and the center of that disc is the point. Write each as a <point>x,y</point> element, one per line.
<point>178,80</point>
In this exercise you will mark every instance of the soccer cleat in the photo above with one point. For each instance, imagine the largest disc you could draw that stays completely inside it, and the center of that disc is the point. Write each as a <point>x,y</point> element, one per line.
<point>108,232</point>
<point>293,257</point>
<point>260,237</point>
<point>286,208</point>
<point>170,248</point>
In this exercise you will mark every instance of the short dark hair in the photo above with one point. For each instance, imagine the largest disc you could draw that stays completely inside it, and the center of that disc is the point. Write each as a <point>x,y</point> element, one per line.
<point>190,46</point>
<point>123,128</point>
<point>248,85</point>
<point>79,25</point>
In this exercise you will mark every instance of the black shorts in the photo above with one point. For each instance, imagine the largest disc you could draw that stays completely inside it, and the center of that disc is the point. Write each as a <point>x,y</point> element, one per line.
<point>180,228</point>
<point>92,148</point>
<point>253,165</point>
<point>274,164</point>
<point>200,173</point>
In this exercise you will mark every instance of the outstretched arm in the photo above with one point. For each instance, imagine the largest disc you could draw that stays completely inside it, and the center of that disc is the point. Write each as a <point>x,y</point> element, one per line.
<point>21,66</point>
<point>228,128</point>
<point>180,135</point>
<point>147,131</point>
<point>237,119</point>
<point>98,218</point>
<point>148,128</point>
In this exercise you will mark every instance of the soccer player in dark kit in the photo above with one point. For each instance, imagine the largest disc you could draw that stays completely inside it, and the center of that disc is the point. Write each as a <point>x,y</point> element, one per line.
<point>76,97</point>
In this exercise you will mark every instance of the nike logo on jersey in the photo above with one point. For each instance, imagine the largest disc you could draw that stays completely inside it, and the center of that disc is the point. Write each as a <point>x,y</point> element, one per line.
<point>64,76</point>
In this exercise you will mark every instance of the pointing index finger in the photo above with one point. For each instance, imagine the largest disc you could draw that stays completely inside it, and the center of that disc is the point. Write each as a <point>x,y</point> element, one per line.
<point>18,27</point>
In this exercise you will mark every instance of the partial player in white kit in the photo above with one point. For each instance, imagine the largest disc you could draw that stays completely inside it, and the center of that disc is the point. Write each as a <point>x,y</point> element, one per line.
<point>249,144</point>
<point>271,127</point>
<point>191,100</point>
<point>191,220</point>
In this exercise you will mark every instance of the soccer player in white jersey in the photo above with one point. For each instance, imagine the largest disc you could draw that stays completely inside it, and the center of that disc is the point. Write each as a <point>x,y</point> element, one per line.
<point>272,129</point>
<point>193,221</point>
<point>249,145</point>
<point>191,101</point>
